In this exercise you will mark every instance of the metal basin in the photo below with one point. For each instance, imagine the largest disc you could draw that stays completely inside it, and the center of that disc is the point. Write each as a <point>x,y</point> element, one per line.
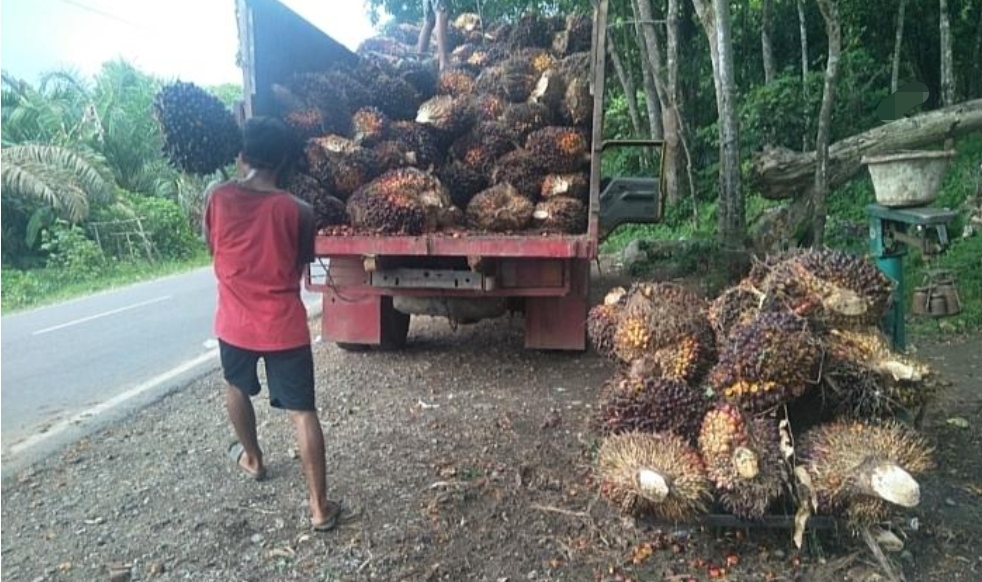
<point>908,178</point>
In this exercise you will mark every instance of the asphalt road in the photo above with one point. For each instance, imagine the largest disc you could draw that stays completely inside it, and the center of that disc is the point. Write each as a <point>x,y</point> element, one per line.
<point>71,367</point>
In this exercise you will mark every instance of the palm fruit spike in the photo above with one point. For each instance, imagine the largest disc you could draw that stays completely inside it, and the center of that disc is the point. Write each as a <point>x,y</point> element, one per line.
<point>735,306</point>
<point>657,475</point>
<point>575,186</point>
<point>522,170</point>
<point>561,149</point>
<point>500,208</point>
<point>743,459</point>
<point>830,286</point>
<point>488,107</point>
<point>862,469</point>
<point>455,82</point>
<point>564,215</point>
<point>601,322</point>
<point>446,113</point>
<point>200,133</point>
<point>648,404</point>
<point>369,125</point>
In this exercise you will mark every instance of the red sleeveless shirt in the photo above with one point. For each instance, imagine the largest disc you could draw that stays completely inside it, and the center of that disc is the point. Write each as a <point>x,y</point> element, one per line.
<point>260,243</point>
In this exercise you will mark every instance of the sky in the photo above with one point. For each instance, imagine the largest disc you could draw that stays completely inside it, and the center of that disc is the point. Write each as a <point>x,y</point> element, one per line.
<point>193,40</point>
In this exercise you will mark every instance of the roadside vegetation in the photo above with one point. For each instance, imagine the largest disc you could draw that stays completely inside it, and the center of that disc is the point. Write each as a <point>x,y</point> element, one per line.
<point>89,201</point>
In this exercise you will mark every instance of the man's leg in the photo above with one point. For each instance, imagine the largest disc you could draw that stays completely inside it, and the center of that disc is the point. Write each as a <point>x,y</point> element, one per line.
<point>310,439</point>
<point>243,417</point>
<point>442,18</point>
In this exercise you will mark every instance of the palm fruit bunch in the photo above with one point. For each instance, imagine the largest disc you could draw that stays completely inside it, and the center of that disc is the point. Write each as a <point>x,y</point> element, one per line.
<point>447,113</point>
<point>420,140</point>
<point>560,214</point>
<point>462,181</point>
<point>653,475</point>
<point>349,169</point>
<point>575,186</point>
<point>531,30</point>
<point>769,361</point>
<point>664,326</point>
<point>577,105</point>
<point>455,81</point>
<point>648,404</point>
<point>864,378</point>
<point>401,201</point>
<point>521,119</point>
<point>832,287</point>
<point>576,36</point>
<point>735,306</point>
<point>470,125</point>
<point>743,459</point>
<point>513,79</point>
<point>500,208</point>
<point>522,170</point>
<point>561,149</point>
<point>395,97</point>
<point>369,125</point>
<point>601,322</point>
<point>481,147</point>
<point>859,470</point>
<point>200,134</point>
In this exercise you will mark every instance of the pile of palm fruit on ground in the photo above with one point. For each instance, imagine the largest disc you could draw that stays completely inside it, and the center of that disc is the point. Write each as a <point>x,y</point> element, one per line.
<point>777,396</point>
<point>496,142</point>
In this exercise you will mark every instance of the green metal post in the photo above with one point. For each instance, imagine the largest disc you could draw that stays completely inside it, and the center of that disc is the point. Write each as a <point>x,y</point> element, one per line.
<point>891,262</point>
<point>893,267</point>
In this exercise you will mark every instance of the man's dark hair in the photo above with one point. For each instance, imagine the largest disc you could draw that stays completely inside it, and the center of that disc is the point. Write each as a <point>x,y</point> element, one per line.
<point>268,144</point>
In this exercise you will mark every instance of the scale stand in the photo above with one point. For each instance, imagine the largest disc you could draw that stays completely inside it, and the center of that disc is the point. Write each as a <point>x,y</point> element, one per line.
<point>891,232</point>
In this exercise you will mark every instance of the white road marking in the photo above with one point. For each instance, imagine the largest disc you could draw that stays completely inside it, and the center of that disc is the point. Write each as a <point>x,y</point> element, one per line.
<point>113,402</point>
<point>103,314</point>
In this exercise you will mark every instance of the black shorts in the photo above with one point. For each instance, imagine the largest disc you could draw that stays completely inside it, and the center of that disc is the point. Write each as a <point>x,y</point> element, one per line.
<point>289,374</point>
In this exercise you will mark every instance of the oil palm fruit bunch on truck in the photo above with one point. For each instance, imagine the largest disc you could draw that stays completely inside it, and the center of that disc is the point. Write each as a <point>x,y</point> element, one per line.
<point>503,129</point>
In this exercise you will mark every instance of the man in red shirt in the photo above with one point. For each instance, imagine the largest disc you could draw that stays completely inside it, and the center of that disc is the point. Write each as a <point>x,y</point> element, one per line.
<point>261,238</point>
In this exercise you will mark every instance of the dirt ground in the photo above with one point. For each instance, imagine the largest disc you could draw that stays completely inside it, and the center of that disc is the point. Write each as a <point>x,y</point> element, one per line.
<point>465,457</point>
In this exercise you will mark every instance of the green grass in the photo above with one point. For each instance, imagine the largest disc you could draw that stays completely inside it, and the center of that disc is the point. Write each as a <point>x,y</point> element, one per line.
<point>22,290</point>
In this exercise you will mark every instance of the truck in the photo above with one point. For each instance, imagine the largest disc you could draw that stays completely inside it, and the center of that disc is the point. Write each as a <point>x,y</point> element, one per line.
<point>373,284</point>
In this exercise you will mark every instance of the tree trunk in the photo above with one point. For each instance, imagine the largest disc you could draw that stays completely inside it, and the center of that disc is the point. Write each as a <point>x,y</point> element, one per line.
<point>898,42</point>
<point>947,70</point>
<point>976,58</point>
<point>647,75</point>
<point>830,13</point>
<point>780,174</point>
<point>803,35</point>
<point>678,162</point>
<point>766,25</point>
<point>715,18</point>
<point>627,83</point>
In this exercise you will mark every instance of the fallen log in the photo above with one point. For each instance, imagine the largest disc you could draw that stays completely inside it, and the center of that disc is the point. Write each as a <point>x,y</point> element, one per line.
<point>781,173</point>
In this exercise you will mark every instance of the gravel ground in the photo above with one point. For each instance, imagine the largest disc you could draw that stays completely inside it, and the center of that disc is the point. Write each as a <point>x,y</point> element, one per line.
<point>464,457</point>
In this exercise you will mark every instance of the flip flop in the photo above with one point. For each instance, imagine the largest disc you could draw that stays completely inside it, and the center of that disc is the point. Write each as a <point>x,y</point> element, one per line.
<point>235,452</point>
<point>332,520</point>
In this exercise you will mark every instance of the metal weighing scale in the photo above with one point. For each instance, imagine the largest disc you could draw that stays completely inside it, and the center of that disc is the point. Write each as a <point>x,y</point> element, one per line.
<point>892,231</point>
